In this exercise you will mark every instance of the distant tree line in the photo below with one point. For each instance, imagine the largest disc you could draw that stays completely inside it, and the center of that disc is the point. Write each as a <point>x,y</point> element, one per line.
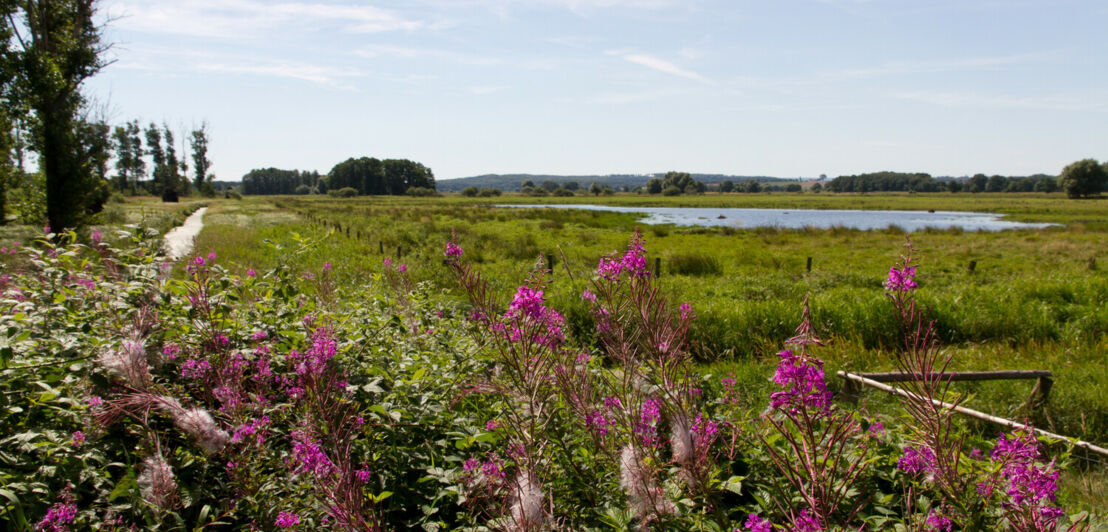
<point>276,181</point>
<point>169,173</point>
<point>352,177</point>
<point>920,182</point>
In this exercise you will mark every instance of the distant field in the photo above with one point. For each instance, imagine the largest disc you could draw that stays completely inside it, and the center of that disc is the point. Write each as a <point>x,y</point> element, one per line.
<point>1032,301</point>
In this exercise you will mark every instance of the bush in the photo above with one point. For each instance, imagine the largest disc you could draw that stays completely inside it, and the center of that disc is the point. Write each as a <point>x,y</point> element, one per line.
<point>561,192</point>
<point>113,214</point>
<point>671,191</point>
<point>232,193</point>
<point>489,192</point>
<point>303,189</point>
<point>344,192</point>
<point>420,192</point>
<point>470,192</point>
<point>116,197</point>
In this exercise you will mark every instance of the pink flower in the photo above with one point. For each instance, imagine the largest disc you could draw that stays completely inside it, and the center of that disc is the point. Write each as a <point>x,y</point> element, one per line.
<point>453,250</point>
<point>287,520</point>
<point>491,425</point>
<point>754,523</point>
<point>901,280</point>
<point>251,273</point>
<point>687,312</point>
<point>402,268</point>
<point>59,515</point>
<point>78,438</point>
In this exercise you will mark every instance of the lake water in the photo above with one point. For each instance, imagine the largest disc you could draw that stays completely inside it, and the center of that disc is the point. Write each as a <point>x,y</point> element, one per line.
<point>800,218</point>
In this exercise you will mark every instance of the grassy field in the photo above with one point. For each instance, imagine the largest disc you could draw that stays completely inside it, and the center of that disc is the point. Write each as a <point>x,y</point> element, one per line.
<point>1032,302</point>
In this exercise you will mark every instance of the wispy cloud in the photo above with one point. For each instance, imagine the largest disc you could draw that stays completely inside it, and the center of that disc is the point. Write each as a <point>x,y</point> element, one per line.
<point>402,52</point>
<point>236,18</point>
<point>178,62</point>
<point>660,65</point>
<point>1053,102</point>
<point>938,65</point>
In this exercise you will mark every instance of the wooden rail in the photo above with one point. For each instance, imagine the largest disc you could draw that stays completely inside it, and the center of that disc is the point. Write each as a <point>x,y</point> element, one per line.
<point>859,378</point>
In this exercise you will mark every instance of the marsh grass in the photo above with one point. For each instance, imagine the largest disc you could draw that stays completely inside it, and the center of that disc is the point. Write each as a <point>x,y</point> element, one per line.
<point>1031,302</point>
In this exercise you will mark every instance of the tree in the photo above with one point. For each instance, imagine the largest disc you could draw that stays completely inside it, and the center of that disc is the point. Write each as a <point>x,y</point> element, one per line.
<point>200,162</point>
<point>470,192</point>
<point>793,187</point>
<point>654,186</point>
<point>56,47</point>
<point>996,183</point>
<point>727,186</point>
<point>571,185</point>
<point>977,183</point>
<point>550,186</point>
<point>1083,178</point>
<point>954,186</point>
<point>595,189</point>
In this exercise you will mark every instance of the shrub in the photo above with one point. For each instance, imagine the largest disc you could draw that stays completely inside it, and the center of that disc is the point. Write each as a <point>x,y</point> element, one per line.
<point>489,192</point>
<point>470,192</point>
<point>671,191</point>
<point>344,192</point>
<point>303,189</point>
<point>116,197</point>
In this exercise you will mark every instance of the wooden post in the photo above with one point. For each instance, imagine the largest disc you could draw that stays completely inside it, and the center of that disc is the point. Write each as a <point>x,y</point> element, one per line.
<point>809,264</point>
<point>972,265</point>
<point>1092,263</point>
<point>550,262</point>
<point>381,248</point>
<point>657,267</point>
<point>347,231</point>
<point>399,252</point>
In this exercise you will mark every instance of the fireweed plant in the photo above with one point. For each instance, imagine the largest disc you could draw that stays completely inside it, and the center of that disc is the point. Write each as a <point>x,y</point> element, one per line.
<point>137,394</point>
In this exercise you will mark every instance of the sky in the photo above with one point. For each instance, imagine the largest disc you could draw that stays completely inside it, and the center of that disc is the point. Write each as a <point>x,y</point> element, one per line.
<point>785,88</point>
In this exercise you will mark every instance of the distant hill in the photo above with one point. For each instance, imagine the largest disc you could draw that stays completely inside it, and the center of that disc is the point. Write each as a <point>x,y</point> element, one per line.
<point>512,182</point>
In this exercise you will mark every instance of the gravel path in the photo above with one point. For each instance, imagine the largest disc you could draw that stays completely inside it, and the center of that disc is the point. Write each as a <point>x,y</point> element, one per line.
<point>179,241</point>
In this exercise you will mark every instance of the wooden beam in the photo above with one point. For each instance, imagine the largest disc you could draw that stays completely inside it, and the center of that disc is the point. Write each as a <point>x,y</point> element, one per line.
<point>968,411</point>
<point>959,376</point>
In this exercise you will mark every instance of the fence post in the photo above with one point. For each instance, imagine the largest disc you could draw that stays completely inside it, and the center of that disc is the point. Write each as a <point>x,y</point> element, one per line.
<point>381,247</point>
<point>550,262</point>
<point>972,265</point>
<point>657,267</point>
<point>1092,263</point>
<point>399,252</point>
<point>809,265</point>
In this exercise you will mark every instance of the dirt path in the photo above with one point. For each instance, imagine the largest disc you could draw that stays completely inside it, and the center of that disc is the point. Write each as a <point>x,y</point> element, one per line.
<point>179,241</point>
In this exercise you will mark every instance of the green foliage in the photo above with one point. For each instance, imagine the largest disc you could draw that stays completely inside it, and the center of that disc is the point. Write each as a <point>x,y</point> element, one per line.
<point>1083,178</point>
<point>470,192</point>
<point>344,192</point>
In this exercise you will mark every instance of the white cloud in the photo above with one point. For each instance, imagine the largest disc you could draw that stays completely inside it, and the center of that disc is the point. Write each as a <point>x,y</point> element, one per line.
<point>1053,102</point>
<point>661,65</point>
<point>237,18</point>
<point>402,52</point>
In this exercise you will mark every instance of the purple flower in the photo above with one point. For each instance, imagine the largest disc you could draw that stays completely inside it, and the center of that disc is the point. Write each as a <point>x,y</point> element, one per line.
<point>687,312</point>
<point>804,384</point>
<point>901,280</point>
<point>58,517</point>
<point>327,266</point>
<point>492,425</point>
<point>95,401</point>
<point>588,296</point>
<point>402,268</point>
<point>807,523</point>
<point>916,461</point>
<point>1030,487</point>
<point>877,429</point>
<point>453,250</point>
<point>287,520</point>
<point>78,438</point>
<point>938,522</point>
<point>362,475</point>
<point>309,457</point>
<point>633,262</point>
<point>754,523</point>
<point>251,273</point>
<point>650,411</point>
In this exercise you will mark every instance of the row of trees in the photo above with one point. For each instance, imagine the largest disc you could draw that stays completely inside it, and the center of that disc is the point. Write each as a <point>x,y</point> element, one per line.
<point>364,176</point>
<point>920,182</point>
<point>277,181</point>
<point>169,173</point>
<point>48,48</point>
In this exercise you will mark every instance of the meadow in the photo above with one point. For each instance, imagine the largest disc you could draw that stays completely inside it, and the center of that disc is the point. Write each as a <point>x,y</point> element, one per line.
<point>359,378</point>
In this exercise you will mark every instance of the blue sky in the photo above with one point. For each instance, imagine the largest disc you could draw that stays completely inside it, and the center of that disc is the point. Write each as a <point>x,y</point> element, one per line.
<point>778,87</point>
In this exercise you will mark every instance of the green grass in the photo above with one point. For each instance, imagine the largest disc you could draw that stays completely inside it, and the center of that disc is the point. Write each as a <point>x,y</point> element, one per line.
<point>1031,303</point>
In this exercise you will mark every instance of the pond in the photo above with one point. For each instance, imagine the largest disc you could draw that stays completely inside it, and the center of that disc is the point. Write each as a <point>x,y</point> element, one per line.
<point>799,218</point>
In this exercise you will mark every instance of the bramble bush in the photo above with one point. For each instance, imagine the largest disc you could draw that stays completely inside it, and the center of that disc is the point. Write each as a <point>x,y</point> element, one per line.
<point>134,398</point>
